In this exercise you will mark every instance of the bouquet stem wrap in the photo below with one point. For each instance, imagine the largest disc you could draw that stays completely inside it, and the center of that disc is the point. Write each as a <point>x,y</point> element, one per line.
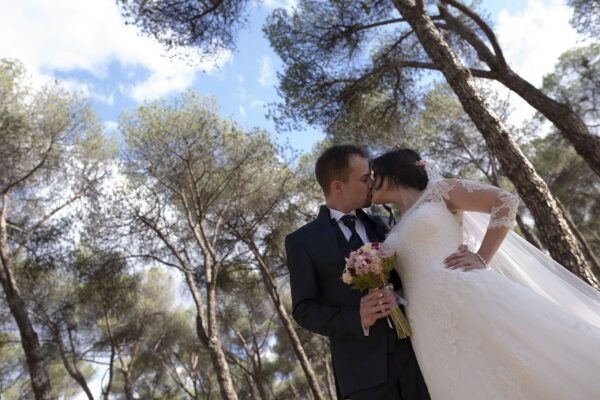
<point>400,323</point>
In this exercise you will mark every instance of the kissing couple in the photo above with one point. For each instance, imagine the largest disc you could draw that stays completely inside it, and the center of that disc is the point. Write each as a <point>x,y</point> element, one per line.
<point>496,320</point>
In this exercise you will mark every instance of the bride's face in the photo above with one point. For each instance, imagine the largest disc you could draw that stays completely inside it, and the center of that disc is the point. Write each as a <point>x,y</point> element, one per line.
<point>382,194</point>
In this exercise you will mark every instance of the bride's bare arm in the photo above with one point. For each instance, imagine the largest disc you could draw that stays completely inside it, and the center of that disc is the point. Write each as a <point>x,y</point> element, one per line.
<point>464,195</point>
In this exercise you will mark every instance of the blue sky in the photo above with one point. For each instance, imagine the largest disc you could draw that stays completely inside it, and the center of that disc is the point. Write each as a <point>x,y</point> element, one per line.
<point>87,46</point>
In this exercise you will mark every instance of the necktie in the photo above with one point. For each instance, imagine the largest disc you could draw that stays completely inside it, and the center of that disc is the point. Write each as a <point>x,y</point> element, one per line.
<point>355,241</point>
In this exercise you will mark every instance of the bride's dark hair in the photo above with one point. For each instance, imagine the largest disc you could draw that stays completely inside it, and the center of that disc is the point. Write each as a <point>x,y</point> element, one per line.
<point>399,167</point>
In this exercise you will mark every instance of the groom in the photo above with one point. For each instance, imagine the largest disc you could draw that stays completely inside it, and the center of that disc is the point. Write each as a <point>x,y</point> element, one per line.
<point>368,359</point>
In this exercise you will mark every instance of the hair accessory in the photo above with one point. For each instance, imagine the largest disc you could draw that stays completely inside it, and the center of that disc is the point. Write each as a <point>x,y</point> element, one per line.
<point>421,163</point>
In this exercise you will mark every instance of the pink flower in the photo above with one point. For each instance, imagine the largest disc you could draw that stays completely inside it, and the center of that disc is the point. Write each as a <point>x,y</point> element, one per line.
<point>347,277</point>
<point>370,259</point>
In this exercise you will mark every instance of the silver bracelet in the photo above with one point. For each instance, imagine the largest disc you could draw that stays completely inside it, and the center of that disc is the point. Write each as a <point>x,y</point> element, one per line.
<point>481,258</point>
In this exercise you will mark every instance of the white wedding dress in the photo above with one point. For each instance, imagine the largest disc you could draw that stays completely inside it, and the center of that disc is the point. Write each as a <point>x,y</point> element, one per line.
<point>480,335</point>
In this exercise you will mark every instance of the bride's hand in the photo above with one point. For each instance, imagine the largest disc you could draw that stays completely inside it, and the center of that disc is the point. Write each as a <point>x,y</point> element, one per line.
<point>465,259</point>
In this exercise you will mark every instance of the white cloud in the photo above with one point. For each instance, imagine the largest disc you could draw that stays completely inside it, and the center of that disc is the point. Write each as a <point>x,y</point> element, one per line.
<point>532,41</point>
<point>172,76</point>
<point>111,125</point>
<point>87,36</point>
<point>88,90</point>
<point>108,99</point>
<point>534,38</point>
<point>242,111</point>
<point>287,4</point>
<point>267,73</point>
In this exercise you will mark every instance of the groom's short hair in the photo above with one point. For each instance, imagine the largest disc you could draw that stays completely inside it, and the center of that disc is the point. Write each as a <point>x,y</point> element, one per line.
<point>333,164</point>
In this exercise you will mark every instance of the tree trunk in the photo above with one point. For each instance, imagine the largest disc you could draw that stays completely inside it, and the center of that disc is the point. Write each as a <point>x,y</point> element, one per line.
<point>125,371</point>
<point>71,367</point>
<point>260,383</point>
<point>260,387</point>
<point>210,337</point>
<point>251,382</point>
<point>106,390</point>
<point>286,321</point>
<point>257,370</point>
<point>253,373</point>
<point>295,391</point>
<point>38,371</point>
<point>587,250</point>
<point>214,345</point>
<point>127,385</point>
<point>554,229</point>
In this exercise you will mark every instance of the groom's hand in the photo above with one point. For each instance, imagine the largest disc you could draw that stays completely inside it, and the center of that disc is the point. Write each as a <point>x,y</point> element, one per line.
<point>375,305</point>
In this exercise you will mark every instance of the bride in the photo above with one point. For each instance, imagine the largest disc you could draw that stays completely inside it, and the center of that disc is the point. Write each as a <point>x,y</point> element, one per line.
<point>521,328</point>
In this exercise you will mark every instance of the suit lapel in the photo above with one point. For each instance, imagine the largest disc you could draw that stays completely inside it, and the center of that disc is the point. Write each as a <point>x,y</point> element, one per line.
<point>342,243</point>
<point>334,236</point>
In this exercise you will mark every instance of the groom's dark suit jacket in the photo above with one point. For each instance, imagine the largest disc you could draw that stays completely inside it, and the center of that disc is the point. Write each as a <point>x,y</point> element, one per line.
<point>323,304</point>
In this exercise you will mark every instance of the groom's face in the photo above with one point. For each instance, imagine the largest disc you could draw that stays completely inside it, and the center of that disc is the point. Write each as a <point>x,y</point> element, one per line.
<point>357,189</point>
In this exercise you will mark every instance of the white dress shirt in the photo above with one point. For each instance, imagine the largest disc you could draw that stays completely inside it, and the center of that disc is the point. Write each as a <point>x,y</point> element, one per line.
<point>360,227</point>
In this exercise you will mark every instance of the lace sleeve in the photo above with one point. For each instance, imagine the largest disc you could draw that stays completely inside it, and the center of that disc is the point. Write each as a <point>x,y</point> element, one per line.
<point>468,195</point>
<point>504,211</point>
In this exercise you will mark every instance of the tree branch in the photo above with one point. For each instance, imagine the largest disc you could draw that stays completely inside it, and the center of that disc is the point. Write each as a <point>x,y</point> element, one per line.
<point>152,225</point>
<point>357,28</point>
<point>478,73</point>
<point>177,378</point>
<point>33,170</point>
<point>43,220</point>
<point>484,27</point>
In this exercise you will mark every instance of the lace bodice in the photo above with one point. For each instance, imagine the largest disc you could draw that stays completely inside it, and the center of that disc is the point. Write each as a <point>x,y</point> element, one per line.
<point>501,205</point>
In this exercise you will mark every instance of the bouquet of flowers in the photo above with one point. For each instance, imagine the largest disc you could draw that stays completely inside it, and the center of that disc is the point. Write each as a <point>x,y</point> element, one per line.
<point>369,267</point>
